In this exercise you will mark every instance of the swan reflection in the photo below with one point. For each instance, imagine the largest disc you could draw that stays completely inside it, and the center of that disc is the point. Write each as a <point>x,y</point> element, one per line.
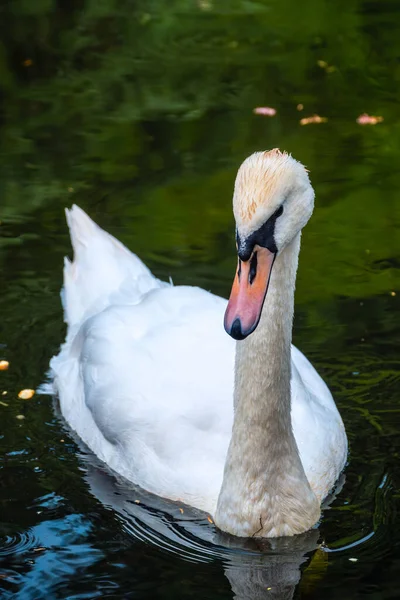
<point>255,567</point>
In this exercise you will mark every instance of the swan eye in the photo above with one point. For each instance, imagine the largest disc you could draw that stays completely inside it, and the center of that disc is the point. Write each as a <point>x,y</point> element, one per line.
<point>253,268</point>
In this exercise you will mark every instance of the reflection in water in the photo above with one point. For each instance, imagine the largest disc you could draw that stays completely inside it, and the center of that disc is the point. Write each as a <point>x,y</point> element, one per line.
<point>251,566</point>
<point>279,578</point>
<point>49,553</point>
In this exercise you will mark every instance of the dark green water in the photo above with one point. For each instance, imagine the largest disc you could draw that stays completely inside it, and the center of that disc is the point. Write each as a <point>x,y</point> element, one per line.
<point>141,112</point>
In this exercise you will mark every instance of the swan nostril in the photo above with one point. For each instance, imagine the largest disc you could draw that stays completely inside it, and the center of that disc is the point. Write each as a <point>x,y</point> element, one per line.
<point>236,330</point>
<point>253,268</point>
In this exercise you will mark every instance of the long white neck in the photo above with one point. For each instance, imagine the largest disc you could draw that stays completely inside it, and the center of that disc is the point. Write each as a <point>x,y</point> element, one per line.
<point>265,491</point>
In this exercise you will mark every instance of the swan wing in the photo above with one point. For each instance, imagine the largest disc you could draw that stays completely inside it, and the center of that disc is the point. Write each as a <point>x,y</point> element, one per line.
<point>317,425</point>
<point>102,270</point>
<point>149,386</point>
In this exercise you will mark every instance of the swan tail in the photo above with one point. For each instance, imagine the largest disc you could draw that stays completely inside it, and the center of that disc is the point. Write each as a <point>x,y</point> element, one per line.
<point>101,272</point>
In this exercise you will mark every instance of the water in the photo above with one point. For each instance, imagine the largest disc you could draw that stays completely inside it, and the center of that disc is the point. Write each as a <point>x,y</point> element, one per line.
<point>140,113</point>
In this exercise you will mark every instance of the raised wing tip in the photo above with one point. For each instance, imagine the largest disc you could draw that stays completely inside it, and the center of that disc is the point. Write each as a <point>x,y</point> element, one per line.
<point>81,226</point>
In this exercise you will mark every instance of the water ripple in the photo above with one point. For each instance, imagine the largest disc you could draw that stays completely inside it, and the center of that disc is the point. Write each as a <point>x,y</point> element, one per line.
<point>18,543</point>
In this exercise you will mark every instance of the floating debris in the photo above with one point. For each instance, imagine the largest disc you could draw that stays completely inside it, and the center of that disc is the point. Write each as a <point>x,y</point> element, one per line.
<point>209,519</point>
<point>4,364</point>
<point>26,394</point>
<point>392,293</point>
<point>4,393</point>
<point>353,559</point>
<point>20,417</point>
<point>70,189</point>
<point>39,549</point>
<point>313,119</point>
<point>365,119</point>
<point>137,501</point>
<point>181,509</point>
<point>300,106</point>
<point>266,111</point>
<point>3,403</point>
<point>28,62</point>
<point>62,441</point>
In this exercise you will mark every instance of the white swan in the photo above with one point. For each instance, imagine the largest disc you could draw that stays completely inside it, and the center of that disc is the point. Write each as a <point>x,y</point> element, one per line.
<point>148,379</point>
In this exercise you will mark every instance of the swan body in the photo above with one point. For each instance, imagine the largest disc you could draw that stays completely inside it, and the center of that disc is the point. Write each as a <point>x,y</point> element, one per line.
<point>146,379</point>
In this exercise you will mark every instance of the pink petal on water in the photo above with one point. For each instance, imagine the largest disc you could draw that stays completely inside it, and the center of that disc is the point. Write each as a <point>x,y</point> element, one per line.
<point>365,119</point>
<point>267,111</point>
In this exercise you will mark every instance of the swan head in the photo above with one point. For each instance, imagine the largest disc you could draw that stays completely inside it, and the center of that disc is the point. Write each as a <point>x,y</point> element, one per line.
<point>273,199</point>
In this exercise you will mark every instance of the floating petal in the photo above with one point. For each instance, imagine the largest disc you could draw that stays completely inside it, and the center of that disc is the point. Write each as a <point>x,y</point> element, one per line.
<point>26,394</point>
<point>365,119</point>
<point>266,111</point>
<point>313,119</point>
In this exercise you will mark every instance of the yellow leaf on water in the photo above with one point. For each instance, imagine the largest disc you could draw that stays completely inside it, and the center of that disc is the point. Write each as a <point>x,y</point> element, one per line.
<point>313,119</point>
<point>26,394</point>
<point>4,364</point>
<point>209,519</point>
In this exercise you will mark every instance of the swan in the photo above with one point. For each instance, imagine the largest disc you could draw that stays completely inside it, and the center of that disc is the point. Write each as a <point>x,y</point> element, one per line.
<point>240,426</point>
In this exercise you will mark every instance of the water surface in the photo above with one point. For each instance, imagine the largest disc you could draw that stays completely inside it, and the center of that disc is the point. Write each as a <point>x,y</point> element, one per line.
<point>141,113</point>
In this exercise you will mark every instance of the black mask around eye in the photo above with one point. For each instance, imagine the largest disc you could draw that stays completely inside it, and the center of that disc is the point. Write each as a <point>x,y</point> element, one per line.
<point>264,236</point>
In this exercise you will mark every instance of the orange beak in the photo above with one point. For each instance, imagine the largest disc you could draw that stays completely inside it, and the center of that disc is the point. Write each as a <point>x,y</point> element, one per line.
<point>248,293</point>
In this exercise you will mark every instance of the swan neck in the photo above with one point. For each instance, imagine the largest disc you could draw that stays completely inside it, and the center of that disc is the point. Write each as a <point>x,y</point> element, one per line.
<point>263,359</point>
<point>265,491</point>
